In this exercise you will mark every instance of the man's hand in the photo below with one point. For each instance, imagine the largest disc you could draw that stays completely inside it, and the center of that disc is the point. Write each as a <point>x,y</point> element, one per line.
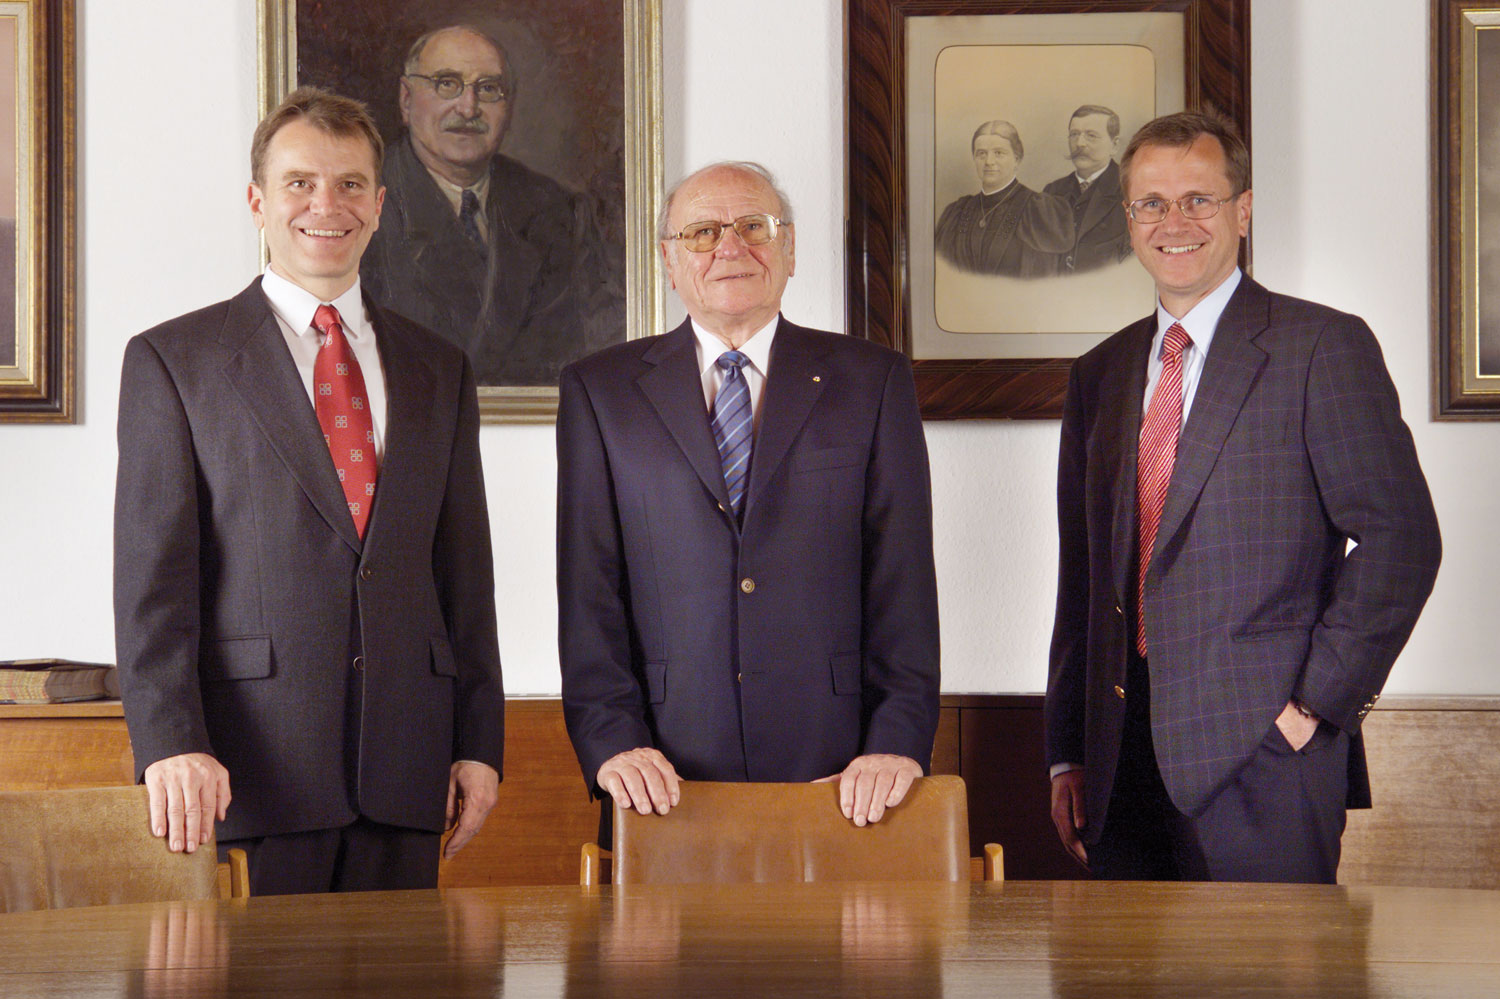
<point>1296,726</point>
<point>1068,812</point>
<point>642,779</point>
<point>473,789</point>
<point>871,784</point>
<point>187,793</point>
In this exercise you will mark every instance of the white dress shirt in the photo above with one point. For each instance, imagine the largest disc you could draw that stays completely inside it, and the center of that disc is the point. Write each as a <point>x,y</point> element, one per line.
<point>757,349</point>
<point>294,306</point>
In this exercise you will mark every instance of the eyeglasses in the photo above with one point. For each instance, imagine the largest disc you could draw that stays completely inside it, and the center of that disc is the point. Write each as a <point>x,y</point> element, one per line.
<point>754,230</point>
<point>1197,207</point>
<point>488,89</point>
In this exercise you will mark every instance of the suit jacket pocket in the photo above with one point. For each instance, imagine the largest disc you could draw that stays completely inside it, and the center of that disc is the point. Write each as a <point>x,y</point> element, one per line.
<point>443,663</point>
<point>247,657</point>
<point>846,669</point>
<point>656,682</point>
<point>830,457</point>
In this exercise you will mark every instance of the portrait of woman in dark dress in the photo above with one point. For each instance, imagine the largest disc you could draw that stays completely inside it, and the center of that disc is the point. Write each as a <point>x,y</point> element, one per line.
<point>1007,228</point>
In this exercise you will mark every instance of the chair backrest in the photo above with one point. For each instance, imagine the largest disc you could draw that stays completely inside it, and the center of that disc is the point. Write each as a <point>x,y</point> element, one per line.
<point>92,846</point>
<point>732,832</point>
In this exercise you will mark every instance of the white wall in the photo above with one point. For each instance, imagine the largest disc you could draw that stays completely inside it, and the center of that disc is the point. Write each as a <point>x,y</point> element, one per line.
<point>168,97</point>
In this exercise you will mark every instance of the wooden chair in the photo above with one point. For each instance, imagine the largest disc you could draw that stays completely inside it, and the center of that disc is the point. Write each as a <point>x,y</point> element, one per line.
<point>93,846</point>
<point>734,832</point>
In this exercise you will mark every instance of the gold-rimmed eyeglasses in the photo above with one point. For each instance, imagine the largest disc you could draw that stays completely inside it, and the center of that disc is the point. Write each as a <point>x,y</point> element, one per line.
<point>753,230</point>
<point>487,89</point>
<point>1197,207</point>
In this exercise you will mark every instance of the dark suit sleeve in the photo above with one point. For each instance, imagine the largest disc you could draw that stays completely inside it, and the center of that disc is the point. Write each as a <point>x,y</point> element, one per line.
<point>602,700</point>
<point>1374,492</point>
<point>1067,671</point>
<point>463,567</point>
<point>900,586</point>
<point>157,565</point>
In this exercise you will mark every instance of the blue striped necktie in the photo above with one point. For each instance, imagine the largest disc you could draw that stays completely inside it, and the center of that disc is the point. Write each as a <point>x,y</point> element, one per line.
<point>732,427</point>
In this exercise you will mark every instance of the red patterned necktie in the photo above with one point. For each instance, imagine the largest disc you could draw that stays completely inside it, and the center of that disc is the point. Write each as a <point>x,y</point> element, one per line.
<point>344,413</point>
<point>1158,452</point>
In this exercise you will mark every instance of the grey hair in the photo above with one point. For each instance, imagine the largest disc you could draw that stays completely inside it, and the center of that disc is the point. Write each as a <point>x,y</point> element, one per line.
<point>414,54</point>
<point>663,230</point>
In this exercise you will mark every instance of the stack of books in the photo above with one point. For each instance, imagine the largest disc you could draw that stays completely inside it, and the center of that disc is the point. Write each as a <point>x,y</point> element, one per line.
<point>52,681</point>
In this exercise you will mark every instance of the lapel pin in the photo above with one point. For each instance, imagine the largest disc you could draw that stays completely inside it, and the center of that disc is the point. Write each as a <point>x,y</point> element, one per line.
<point>817,378</point>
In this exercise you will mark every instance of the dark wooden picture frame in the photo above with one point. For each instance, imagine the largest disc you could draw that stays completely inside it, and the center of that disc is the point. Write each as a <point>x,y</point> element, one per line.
<point>1465,267</point>
<point>38,367</point>
<point>879,261</point>
<point>589,97</point>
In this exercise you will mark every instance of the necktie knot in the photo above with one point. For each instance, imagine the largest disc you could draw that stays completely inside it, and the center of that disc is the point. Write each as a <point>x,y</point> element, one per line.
<point>1175,342</point>
<point>732,360</point>
<point>1083,186</point>
<point>327,319</point>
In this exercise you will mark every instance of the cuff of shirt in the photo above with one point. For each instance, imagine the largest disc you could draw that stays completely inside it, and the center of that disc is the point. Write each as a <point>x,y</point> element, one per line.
<point>1062,768</point>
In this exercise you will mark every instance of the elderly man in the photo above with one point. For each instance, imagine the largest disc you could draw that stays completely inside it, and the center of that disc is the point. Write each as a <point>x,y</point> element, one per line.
<point>1218,640</point>
<point>304,598</point>
<point>745,576</point>
<point>497,258</point>
<point>1007,228</point>
<point>1092,190</point>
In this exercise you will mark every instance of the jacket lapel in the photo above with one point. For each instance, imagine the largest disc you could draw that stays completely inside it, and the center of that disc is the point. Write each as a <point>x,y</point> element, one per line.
<point>1121,407</point>
<point>409,387</point>
<point>674,387</point>
<point>1228,373</point>
<point>261,370</point>
<point>789,396</point>
<point>1103,196</point>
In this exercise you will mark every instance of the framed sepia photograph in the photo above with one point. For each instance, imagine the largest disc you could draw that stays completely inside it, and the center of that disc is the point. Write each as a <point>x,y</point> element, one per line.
<point>522,170</point>
<point>37,189</point>
<point>1466,210</point>
<point>987,229</point>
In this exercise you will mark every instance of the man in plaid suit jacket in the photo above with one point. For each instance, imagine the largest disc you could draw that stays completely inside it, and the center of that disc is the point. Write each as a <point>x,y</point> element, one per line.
<point>1225,744</point>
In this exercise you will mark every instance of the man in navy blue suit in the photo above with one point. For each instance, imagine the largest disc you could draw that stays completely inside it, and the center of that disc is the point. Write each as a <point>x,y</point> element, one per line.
<point>1218,641</point>
<point>718,622</point>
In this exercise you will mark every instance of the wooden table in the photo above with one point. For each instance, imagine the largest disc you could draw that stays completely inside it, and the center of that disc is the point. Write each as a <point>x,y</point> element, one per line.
<point>1018,939</point>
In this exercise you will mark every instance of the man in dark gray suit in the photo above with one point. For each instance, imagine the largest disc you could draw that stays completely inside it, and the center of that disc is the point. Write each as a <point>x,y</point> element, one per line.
<point>1218,642</point>
<point>1100,234</point>
<point>744,534</point>
<point>304,597</point>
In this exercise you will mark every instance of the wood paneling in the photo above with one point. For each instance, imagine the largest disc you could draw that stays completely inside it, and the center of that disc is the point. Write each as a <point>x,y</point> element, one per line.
<point>1434,767</point>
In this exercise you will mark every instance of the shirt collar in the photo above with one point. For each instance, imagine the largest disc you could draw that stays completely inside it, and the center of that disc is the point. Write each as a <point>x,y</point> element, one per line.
<point>1093,176</point>
<point>757,348</point>
<point>295,306</point>
<point>455,194</point>
<point>999,190</point>
<point>1203,318</point>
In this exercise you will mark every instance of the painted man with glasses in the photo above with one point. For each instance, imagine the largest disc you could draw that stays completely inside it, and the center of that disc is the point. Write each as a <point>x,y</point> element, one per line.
<point>496,257</point>
<point>1246,540</point>
<point>744,532</point>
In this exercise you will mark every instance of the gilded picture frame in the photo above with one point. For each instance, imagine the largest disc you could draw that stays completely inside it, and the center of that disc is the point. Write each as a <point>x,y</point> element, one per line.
<point>1465,211</point>
<point>38,190</point>
<point>909,122</point>
<point>584,126</point>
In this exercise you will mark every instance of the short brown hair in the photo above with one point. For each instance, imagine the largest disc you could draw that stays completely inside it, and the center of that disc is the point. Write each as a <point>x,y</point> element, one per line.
<point>1183,129</point>
<point>336,115</point>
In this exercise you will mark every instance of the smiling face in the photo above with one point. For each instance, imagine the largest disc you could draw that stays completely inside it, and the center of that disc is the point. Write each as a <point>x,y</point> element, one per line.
<point>734,289</point>
<point>1089,144</point>
<point>456,138</point>
<point>318,205</point>
<point>1186,258</point>
<point>995,162</point>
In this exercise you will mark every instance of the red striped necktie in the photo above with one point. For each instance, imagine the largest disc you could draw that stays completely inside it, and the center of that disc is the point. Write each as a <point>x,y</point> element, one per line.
<point>1158,452</point>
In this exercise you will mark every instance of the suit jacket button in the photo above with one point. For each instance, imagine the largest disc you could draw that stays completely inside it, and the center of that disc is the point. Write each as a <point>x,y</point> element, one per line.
<point>359,664</point>
<point>739,678</point>
<point>721,508</point>
<point>366,572</point>
<point>1119,692</point>
<point>747,585</point>
<point>1119,611</point>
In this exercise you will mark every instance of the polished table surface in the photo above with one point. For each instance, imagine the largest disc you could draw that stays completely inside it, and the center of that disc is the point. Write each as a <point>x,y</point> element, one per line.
<point>1016,939</point>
